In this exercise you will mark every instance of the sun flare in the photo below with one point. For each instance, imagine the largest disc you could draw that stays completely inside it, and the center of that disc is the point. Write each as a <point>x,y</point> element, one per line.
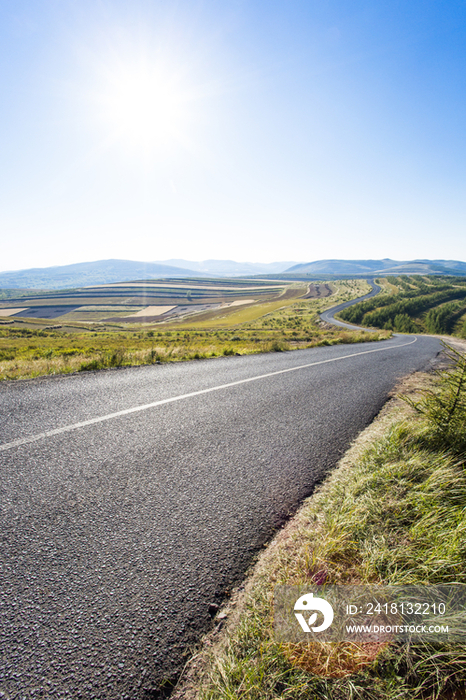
<point>144,107</point>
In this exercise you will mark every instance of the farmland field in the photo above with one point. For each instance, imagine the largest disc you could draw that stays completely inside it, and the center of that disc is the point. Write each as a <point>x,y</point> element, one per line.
<point>139,323</point>
<point>128,298</point>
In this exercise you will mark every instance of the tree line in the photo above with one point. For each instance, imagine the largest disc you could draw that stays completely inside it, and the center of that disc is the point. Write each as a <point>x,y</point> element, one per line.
<point>434,308</point>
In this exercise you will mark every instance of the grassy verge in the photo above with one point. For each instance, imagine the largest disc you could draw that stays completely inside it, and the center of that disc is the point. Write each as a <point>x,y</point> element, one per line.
<point>36,354</point>
<point>392,512</point>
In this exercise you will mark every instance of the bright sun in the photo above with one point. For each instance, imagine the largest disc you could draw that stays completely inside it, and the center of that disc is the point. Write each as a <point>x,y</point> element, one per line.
<point>144,107</point>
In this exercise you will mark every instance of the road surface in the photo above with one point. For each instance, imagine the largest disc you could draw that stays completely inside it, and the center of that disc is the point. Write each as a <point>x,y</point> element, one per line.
<point>135,499</point>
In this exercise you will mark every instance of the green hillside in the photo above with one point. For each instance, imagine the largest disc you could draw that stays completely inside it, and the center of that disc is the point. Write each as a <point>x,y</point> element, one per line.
<point>380,267</point>
<point>415,304</point>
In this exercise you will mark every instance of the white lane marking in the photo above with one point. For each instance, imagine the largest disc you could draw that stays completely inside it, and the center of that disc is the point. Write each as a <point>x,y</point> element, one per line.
<point>136,409</point>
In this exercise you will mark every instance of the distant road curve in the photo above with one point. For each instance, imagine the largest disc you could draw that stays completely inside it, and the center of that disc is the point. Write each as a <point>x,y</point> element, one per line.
<point>329,315</point>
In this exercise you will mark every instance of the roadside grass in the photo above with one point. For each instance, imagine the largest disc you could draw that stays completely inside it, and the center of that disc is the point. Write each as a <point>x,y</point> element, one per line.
<point>66,353</point>
<point>393,512</point>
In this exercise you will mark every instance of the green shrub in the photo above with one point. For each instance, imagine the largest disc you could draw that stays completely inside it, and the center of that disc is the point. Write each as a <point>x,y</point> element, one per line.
<point>117,358</point>
<point>444,406</point>
<point>152,356</point>
<point>278,346</point>
<point>91,365</point>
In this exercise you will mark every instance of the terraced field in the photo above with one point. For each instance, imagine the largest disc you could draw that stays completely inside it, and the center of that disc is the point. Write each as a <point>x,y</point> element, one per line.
<point>151,301</point>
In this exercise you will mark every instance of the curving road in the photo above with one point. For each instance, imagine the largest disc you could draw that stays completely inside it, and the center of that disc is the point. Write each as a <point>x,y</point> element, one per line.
<point>134,499</point>
<point>329,315</point>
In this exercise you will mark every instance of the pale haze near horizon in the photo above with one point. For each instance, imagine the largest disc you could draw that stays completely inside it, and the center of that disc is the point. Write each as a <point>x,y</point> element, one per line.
<point>249,131</point>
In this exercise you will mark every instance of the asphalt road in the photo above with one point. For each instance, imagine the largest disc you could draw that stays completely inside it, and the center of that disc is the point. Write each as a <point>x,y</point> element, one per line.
<point>133,499</point>
<point>329,315</point>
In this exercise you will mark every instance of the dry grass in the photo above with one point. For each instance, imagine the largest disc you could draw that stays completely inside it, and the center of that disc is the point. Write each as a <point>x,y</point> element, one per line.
<point>116,351</point>
<point>332,660</point>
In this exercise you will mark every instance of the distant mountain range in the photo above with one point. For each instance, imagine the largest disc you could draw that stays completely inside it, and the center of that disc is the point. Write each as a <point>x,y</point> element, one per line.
<point>86,274</point>
<point>224,268</point>
<point>379,267</point>
<point>108,271</point>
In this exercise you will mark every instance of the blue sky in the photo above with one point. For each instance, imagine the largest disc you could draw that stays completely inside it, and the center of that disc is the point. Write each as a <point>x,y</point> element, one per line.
<point>239,129</point>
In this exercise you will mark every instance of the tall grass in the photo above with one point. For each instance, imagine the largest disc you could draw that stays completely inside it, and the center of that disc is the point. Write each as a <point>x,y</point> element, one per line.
<point>41,352</point>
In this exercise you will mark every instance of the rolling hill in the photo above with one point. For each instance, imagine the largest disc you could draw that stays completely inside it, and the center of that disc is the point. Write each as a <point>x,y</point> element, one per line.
<point>107,271</point>
<point>88,273</point>
<point>379,267</point>
<point>230,267</point>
